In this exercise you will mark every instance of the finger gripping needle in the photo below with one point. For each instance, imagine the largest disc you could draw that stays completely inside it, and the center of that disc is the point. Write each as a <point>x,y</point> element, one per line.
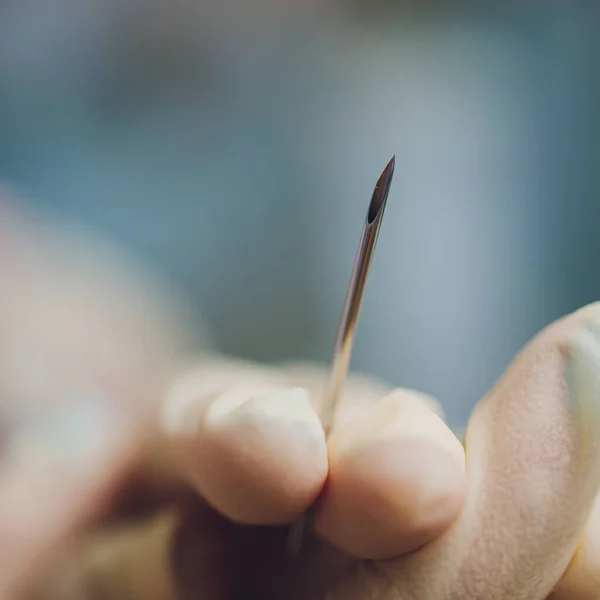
<point>342,351</point>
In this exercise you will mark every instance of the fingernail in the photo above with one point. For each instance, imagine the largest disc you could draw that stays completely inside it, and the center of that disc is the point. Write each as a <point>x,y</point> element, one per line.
<point>583,379</point>
<point>281,407</point>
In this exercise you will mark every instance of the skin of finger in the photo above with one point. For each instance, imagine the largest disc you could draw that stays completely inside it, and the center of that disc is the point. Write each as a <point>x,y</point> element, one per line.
<point>230,436</point>
<point>396,480</point>
<point>261,459</point>
<point>197,454</point>
<point>533,476</point>
<point>582,579</point>
<point>195,385</point>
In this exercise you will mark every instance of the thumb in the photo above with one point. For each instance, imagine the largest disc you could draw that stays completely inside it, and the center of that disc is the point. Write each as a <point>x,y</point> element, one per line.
<point>534,467</point>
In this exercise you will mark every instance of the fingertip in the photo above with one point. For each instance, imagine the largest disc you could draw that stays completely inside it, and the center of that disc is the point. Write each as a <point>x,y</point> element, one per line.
<point>396,482</point>
<point>261,460</point>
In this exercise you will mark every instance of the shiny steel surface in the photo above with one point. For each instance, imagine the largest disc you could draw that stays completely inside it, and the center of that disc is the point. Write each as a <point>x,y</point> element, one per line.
<point>345,337</point>
<point>342,351</point>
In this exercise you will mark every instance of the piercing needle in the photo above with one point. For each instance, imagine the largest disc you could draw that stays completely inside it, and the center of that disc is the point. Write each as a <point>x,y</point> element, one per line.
<point>345,336</point>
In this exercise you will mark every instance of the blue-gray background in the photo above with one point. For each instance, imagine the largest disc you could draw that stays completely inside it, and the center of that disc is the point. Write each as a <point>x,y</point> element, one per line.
<point>234,146</point>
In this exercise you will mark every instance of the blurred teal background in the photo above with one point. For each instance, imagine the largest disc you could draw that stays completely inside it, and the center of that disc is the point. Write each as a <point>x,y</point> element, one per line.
<point>234,146</point>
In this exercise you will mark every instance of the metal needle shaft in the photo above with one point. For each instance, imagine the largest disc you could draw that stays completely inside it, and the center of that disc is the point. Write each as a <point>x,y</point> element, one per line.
<point>342,351</point>
<point>345,337</point>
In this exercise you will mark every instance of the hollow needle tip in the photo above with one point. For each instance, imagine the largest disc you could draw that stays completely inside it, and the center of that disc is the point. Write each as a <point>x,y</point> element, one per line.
<point>381,191</point>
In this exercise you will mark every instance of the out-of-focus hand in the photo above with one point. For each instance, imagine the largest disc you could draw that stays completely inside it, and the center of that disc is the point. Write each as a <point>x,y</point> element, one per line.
<point>85,346</point>
<point>401,510</point>
<point>112,488</point>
